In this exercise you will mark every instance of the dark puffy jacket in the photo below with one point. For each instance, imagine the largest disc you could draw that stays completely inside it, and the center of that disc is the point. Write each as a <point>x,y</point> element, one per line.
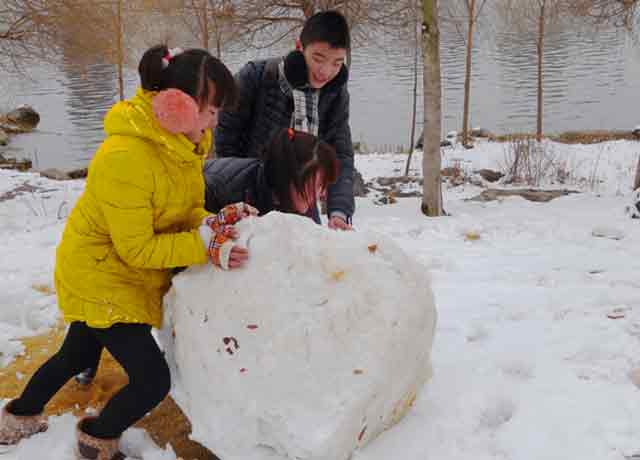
<point>231,180</point>
<point>264,108</point>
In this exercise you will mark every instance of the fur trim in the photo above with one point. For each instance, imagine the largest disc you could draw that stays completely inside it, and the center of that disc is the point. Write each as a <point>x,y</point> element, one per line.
<point>175,111</point>
<point>14,428</point>
<point>92,448</point>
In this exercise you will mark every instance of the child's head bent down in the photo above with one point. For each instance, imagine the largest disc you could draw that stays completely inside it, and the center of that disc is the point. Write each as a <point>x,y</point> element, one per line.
<point>299,167</point>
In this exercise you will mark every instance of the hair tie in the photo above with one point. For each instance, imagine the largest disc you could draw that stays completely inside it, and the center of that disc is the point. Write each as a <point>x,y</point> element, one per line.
<point>171,53</point>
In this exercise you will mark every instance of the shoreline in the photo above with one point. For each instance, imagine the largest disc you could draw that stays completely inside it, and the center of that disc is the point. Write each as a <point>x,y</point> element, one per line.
<point>595,136</point>
<point>585,137</point>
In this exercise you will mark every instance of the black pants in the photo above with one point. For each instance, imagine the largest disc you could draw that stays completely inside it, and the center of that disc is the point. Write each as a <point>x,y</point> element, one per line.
<point>135,349</point>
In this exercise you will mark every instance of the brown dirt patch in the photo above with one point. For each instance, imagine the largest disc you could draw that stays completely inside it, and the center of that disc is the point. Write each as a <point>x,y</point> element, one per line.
<point>165,424</point>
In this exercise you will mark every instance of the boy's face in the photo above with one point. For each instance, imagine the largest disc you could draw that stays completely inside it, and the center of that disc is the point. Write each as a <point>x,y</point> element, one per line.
<point>323,62</point>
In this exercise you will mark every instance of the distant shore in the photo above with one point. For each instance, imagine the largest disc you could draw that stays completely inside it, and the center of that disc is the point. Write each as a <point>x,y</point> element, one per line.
<point>576,137</point>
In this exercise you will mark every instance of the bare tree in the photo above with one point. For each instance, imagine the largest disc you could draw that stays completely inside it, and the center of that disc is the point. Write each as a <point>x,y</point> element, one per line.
<point>119,47</point>
<point>210,20</point>
<point>473,10</point>
<point>623,13</point>
<point>538,16</point>
<point>431,162</point>
<point>264,23</point>
<point>25,32</point>
<point>636,181</point>
<point>416,50</point>
<point>106,32</point>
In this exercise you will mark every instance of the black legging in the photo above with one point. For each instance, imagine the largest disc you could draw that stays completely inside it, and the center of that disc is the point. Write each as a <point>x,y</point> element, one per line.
<point>133,346</point>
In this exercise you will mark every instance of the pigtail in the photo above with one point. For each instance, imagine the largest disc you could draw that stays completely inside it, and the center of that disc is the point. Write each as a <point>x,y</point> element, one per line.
<point>151,68</point>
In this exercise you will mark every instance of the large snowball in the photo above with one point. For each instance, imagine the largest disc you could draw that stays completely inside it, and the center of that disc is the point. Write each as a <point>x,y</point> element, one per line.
<point>322,342</point>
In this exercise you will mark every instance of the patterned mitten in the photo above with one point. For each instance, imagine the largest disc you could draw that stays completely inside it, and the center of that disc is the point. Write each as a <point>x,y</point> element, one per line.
<point>229,215</point>
<point>220,248</point>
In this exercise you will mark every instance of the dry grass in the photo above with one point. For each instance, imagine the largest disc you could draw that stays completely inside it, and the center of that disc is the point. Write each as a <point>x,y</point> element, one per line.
<point>593,137</point>
<point>165,424</point>
<point>574,137</point>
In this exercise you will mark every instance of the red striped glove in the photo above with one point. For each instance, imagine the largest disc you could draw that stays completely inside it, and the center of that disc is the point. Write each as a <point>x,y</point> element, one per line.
<point>229,215</point>
<point>220,248</point>
<point>221,224</point>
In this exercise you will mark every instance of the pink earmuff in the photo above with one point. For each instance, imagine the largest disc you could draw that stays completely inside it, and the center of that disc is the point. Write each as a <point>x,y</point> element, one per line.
<point>175,111</point>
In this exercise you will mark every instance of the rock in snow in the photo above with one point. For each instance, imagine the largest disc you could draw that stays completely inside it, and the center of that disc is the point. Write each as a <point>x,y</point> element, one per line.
<point>607,232</point>
<point>321,343</point>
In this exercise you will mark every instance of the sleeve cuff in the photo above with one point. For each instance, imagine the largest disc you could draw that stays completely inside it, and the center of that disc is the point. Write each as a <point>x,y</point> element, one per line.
<point>205,233</point>
<point>341,215</point>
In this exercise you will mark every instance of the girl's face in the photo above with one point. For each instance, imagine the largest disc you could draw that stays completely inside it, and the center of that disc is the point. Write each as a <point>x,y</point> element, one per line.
<point>314,189</point>
<point>207,119</point>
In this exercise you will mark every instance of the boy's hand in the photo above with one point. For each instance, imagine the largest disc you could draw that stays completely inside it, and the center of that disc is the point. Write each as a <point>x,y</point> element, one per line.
<point>338,223</point>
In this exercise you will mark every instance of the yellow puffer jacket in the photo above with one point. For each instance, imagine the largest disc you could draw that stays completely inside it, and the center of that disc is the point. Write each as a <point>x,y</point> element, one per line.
<point>137,218</point>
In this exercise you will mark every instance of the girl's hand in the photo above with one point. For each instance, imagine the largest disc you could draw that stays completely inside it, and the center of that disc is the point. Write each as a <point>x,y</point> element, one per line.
<point>221,249</point>
<point>237,257</point>
<point>224,253</point>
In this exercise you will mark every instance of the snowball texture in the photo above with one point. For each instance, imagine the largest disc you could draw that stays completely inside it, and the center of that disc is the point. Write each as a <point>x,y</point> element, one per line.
<point>321,343</point>
<point>175,110</point>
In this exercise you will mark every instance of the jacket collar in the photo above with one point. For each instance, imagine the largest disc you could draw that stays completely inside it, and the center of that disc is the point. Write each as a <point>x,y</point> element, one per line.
<point>296,73</point>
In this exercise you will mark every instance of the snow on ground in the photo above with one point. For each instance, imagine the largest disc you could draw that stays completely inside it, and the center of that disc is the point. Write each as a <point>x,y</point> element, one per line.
<point>527,364</point>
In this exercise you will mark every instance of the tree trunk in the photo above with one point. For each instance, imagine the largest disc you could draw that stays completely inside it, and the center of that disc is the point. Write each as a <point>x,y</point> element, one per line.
<point>218,46</point>
<point>120,50</point>
<point>540,46</point>
<point>205,25</point>
<point>431,161</point>
<point>636,182</point>
<point>308,8</point>
<point>345,12</point>
<point>471,10</point>
<point>412,139</point>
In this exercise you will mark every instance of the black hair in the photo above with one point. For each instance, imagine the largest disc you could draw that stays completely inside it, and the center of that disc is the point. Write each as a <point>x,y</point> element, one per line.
<point>293,158</point>
<point>194,71</point>
<point>326,26</point>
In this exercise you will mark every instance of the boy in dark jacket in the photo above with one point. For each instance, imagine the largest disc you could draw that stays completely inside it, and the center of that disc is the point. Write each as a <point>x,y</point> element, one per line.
<point>305,90</point>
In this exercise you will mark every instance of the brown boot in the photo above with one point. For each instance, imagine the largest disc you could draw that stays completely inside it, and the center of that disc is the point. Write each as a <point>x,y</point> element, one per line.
<point>14,428</point>
<point>90,448</point>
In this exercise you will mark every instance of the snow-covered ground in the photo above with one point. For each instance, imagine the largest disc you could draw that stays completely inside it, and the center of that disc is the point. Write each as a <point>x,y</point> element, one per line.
<point>527,363</point>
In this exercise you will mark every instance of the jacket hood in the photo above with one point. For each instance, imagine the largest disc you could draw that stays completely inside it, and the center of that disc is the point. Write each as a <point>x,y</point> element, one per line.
<point>135,118</point>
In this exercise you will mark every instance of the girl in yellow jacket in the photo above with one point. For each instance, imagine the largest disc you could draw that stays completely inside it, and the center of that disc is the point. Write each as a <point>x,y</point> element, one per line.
<point>138,218</point>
